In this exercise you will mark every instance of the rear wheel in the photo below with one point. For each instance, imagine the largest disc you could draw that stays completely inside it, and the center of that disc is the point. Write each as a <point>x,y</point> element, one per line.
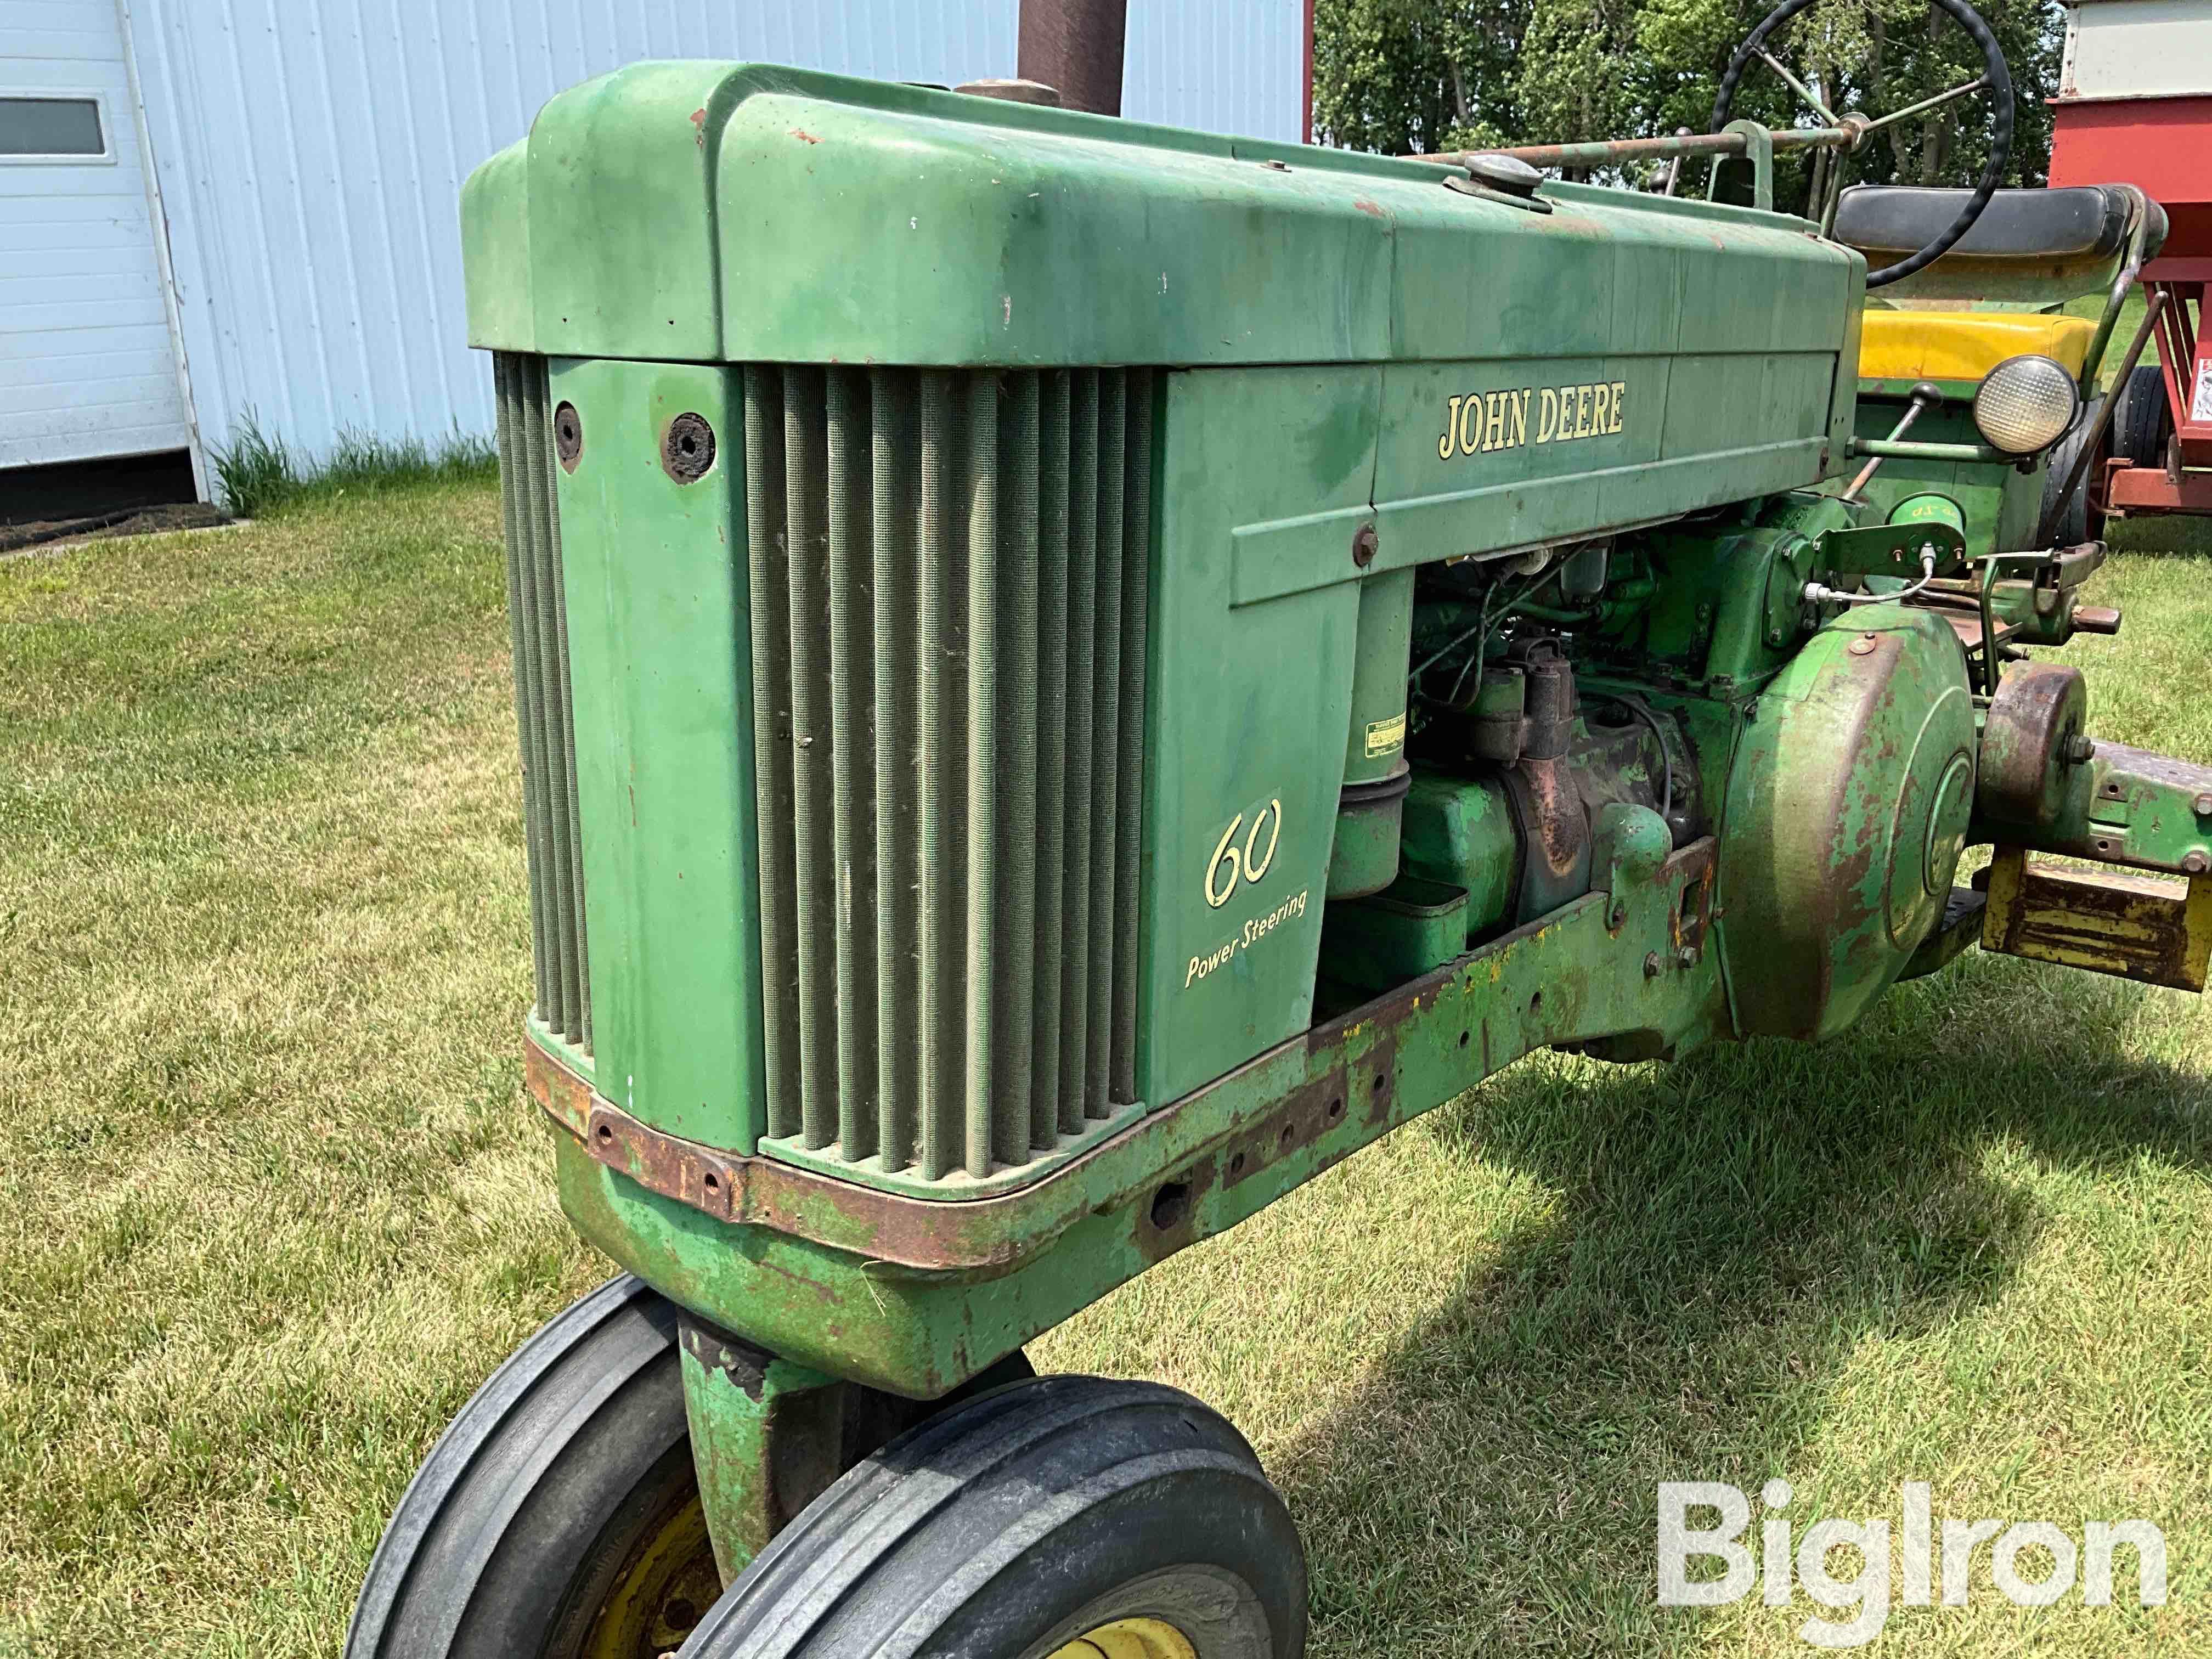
<point>2076,519</point>
<point>1070,1517</point>
<point>558,1517</point>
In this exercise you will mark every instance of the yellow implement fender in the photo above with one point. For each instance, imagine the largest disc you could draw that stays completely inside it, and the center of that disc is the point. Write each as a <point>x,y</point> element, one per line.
<point>1964,345</point>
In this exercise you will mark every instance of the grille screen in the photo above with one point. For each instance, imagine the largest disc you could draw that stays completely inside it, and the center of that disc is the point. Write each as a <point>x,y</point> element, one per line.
<point>545,715</point>
<point>948,588</point>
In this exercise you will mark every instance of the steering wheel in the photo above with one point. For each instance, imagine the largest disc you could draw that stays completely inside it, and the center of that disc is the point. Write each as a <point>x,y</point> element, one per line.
<point>1996,81</point>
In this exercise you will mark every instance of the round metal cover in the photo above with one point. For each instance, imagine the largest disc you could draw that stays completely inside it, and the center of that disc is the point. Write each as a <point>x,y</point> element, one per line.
<point>2027,742</point>
<point>1507,173</point>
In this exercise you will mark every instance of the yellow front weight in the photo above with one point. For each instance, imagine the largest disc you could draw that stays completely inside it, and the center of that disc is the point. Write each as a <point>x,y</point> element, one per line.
<point>2151,928</point>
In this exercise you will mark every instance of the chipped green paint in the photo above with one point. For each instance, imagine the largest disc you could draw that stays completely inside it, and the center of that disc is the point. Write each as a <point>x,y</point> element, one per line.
<point>1232,1147</point>
<point>1999,500</point>
<point>764,1432</point>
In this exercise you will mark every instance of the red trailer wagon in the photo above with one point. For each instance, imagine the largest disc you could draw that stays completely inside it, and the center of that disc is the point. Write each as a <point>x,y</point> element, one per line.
<point>2135,107</point>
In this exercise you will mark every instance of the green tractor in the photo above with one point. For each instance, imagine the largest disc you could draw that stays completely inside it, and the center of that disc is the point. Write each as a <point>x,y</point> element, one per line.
<point>1071,675</point>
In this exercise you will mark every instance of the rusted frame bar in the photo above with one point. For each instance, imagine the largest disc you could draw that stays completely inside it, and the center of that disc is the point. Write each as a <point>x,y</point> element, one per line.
<point>2148,489</point>
<point>1286,1098</point>
<point>2176,349</point>
<point>1608,152</point>
<point>2140,247</point>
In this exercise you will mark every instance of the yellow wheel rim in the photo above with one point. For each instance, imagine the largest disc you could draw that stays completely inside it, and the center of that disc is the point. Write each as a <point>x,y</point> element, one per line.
<point>1130,1638</point>
<point>664,1588</point>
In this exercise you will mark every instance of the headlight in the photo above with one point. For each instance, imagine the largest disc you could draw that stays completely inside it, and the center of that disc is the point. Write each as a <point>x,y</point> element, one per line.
<point>2025,404</point>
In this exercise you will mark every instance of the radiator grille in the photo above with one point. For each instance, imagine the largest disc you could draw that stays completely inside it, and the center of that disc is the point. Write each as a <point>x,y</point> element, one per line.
<point>544,714</point>
<point>948,587</point>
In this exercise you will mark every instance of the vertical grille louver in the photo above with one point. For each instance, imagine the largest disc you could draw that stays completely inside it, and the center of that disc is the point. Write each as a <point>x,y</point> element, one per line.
<point>544,714</point>
<point>948,586</point>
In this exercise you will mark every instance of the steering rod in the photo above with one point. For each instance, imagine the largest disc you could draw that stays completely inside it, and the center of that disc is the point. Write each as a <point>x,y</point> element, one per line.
<point>1925,395</point>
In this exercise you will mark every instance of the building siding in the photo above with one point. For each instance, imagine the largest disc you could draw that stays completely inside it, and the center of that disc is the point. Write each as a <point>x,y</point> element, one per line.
<point>1235,66</point>
<point>311,155</point>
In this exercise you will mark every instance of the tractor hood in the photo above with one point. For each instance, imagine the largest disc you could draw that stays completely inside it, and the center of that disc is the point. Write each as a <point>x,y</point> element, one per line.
<point>718,212</point>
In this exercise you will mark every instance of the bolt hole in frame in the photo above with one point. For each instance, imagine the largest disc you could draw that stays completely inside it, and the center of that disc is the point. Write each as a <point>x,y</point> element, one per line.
<point>1171,1204</point>
<point>687,450</point>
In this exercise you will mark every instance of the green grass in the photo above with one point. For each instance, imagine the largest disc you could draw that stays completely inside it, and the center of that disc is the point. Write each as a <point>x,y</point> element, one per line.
<point>257,472</point>
<point>271,1206</point>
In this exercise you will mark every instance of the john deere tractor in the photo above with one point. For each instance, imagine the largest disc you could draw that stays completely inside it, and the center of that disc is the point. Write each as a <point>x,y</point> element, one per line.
<point>1071,675</point>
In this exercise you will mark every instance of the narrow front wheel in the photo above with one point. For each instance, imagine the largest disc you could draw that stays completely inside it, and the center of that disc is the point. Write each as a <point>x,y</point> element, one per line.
<point>558,1517</point>
<point>1068,1518</point>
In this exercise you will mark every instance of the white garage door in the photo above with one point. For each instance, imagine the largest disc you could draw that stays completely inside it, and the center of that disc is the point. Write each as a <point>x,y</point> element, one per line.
<point>87,366</point>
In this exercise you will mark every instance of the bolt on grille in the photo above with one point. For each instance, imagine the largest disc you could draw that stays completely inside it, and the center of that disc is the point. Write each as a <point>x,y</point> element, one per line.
<point>948,574</point>
<point>545,714</point>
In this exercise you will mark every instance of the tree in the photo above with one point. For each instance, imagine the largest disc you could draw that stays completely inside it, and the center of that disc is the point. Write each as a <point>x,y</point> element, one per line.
<point>1400,76</point>
<point>1408,75</point>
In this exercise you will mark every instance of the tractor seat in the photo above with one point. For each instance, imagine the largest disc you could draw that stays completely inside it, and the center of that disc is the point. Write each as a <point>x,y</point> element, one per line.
<point>2033,246</point>
<point>1965,345</point>
<point>2086,222</point>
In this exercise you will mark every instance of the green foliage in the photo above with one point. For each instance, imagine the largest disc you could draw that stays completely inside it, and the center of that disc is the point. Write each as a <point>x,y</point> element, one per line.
<point>1400,76</point>
<point>255,470</point>
<point>257,473</point>
<point>1396,75</point>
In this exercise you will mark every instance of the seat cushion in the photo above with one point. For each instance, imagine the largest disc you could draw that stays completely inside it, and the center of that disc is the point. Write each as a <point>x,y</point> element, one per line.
<point>1886,222</point>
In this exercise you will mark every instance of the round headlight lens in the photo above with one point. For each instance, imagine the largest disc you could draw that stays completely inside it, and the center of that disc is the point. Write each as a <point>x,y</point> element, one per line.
<point>2025,404</point>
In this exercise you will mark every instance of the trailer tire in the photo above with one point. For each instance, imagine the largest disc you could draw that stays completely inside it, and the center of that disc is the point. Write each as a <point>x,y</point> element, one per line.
<point>558,1515</point>
<point>1126,1518</point>
<point>2141,423</point>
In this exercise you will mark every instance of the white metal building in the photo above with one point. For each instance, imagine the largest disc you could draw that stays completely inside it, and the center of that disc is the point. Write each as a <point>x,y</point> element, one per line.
<point>213,207</point>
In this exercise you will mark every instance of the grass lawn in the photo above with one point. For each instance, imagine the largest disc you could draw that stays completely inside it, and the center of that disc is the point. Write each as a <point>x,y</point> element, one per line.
<point>271,1206</point>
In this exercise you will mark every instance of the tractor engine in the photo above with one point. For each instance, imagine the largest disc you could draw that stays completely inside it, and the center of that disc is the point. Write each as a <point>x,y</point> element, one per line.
<point>1844,787</point>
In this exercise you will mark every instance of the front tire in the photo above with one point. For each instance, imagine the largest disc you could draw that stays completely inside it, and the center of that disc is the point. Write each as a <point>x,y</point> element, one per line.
<point>558,1517</point>
<point>1067,1517</point>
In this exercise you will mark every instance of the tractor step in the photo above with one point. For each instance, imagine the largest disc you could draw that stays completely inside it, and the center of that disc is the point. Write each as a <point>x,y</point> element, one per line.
<point>1958,931</point>
<point>2151,928</point>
